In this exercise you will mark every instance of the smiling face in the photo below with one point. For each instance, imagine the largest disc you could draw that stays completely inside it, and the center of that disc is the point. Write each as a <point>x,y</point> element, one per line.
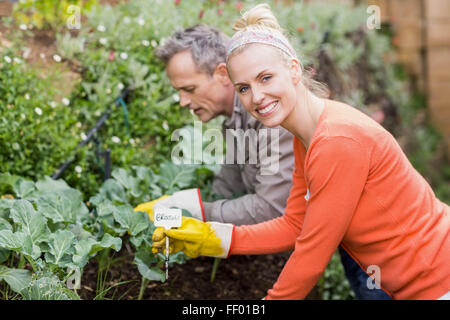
<point>207,96</point>
<point>265,84</point>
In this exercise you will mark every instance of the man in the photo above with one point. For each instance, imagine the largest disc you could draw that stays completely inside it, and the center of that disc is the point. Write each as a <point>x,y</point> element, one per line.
<point>195,61</point>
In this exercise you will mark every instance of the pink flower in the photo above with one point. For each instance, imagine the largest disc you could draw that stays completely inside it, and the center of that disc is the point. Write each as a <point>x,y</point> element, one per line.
<point>177,2</point>
<point>239,6</point>
<point>200,15</point>
<point>220,11</point>
<point>111,56</point>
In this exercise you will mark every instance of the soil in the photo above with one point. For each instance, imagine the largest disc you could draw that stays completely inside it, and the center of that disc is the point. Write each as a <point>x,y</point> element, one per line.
<point>237,278</point>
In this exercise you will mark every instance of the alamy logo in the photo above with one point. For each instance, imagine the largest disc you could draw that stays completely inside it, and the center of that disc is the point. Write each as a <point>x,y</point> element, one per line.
<point>374,280</point>
<point>242,147</point>
<point>74,280</point>
<point>307,195</point>
<point>74,20</point>
<point>374,20</point>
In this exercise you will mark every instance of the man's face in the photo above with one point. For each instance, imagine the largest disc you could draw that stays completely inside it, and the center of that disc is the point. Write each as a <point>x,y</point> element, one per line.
<point>200,92</point>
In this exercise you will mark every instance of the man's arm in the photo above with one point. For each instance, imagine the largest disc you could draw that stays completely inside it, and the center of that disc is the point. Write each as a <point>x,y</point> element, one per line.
<point>228,181</point>
<point>273,183</point>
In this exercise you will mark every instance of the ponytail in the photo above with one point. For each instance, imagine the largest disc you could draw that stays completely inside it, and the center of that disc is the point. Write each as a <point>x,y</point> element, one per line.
<point>259,17</point>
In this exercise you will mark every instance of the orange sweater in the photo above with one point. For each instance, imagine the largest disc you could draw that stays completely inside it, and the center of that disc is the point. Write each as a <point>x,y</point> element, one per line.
<point>365,195</point>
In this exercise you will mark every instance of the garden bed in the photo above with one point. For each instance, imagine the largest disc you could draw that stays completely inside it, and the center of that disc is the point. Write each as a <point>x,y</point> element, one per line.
<point>238,278</point>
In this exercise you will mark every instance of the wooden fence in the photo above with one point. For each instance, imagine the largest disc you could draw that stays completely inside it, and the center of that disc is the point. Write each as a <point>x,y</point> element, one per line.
<point>422,29</point>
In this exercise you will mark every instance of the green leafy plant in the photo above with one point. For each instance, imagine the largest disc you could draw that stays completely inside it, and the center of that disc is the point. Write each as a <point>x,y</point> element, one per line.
<point>127,188</point>
<point>49,227</point>
<point>333,285</point>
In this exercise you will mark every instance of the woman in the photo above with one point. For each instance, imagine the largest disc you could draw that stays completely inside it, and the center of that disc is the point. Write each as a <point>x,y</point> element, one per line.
<point>352,184</point>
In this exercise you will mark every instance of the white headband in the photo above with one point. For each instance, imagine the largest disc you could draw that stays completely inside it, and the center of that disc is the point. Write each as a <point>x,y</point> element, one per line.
<point>273,38</point>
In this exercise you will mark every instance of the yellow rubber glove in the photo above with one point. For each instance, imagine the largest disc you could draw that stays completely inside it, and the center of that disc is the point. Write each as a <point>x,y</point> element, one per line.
<point>189,199</point>
<point>148,206</point>
<point>196,238</point>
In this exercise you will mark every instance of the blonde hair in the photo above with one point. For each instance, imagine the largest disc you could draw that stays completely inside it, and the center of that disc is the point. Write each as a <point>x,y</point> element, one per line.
<point>261,18</point>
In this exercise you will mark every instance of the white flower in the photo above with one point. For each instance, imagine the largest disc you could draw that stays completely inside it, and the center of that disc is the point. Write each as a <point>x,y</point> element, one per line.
<point>23,26</point>
<point>26,53</point>
<point>57,58</point>
<point>78,124</point>
<point>78,169</point>
<point>42,55</point>
<point>176,97</point>
<point>108,91</point>
<point>7,59</point>
<point>103,41</point>
<point>83,136</point>
<point>154,43</point>
<point>23,116</point>
<point>126,20</point>
<point>97,113</point>
<point>124,55</point>
<point>38,110</point>
<point>15,146</point>
<point>132,142</point>
<point>65,101</point>
<point>101,28</point>
<point>115,139</point>
<point>163,40</point>
<point>17,60</point>
<point>145,43</point>
<point>53,104</point>
<point>165,125</point>
<point>120,86</point>
<point>141,21</point>
<point>27,96</point>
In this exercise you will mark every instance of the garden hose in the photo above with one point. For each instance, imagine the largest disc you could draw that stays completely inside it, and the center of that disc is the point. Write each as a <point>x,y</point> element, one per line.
<point>93,131</point>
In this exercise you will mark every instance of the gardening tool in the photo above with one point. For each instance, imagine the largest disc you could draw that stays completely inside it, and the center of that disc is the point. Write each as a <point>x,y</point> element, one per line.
<point>91,136</point>
<point>167,219</point>
<point>187,199</point>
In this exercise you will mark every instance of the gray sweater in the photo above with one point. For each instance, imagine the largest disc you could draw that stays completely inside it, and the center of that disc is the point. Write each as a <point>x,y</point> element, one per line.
<point>265,182</point>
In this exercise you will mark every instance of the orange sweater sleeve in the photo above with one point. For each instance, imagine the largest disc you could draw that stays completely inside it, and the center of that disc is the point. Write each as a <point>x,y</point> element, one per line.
<point>337,169</point>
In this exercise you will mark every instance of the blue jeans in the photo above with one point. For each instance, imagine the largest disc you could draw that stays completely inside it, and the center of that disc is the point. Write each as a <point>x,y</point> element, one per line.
<point>358,279</point>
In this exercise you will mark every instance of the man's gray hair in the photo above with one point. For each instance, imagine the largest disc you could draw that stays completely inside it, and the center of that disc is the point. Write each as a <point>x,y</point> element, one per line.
<point>207,45</point>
